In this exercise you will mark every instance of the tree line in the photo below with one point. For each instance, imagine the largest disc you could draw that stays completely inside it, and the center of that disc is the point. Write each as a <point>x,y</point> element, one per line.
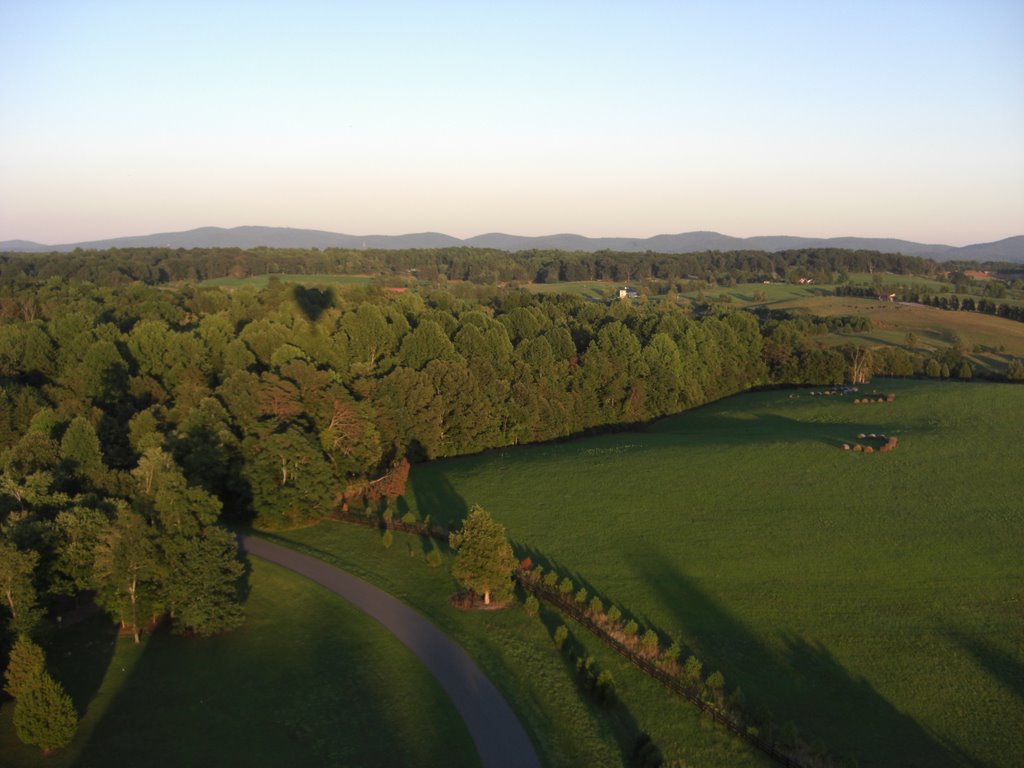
<point>156,266</point>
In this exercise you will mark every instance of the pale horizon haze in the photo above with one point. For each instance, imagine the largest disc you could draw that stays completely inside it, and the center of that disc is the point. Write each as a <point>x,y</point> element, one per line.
<point>872,119</point>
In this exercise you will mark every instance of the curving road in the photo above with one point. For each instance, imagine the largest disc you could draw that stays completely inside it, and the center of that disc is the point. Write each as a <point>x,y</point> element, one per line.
<point>499,738</point>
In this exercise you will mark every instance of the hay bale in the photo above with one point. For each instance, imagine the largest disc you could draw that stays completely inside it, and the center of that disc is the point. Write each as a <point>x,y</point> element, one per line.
<point>880,400</point>
<point>861,436</point>
<point>858,448</point>
<point>856,402</point>
<point>890,398</point>
<point>846,446</point>
<point>869,449</point>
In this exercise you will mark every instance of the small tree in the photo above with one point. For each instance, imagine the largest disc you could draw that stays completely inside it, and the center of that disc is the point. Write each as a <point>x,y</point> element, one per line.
<point>581,596</point>
<point>387,539</point>
<point>45,716</point>
<point>566,586</point>
<point>532,606</point>
<point>560,636</point>
<point>484,561</point>
<point>24,668</point>
<point>596,607</point>
<point>649,643</point>
<point>692,670</point>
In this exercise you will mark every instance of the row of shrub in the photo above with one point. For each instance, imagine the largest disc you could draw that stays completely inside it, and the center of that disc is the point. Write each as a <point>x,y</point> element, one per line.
<point>644,647</point>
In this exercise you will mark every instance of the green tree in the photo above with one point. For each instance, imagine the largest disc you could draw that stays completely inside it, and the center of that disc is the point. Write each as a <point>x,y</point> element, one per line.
<point>484,561</point>
<point>128,571</point>
<point>17,590</point>
<point>45,716</point>
<point>24,667</point>
<point>202,574</point>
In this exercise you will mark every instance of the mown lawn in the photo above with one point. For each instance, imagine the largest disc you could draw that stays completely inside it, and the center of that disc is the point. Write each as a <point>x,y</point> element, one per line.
<point>875,600</point>
<point>307,681</point>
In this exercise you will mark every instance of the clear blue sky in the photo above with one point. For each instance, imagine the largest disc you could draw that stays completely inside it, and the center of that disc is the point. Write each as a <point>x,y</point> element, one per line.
<point>901,119</point>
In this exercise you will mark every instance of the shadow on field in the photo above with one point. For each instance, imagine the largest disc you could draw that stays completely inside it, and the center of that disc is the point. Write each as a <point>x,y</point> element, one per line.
<point>804,682</point>
<point>278,691</point>
<point>81,656</point>
<point>617,714</point>
<point>752,427</point>
<point>1004,668</point>
<point>437,497</point>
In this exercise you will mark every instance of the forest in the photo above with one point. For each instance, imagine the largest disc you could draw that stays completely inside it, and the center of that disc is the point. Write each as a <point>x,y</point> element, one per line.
<point>136,417</point>
<point>476,265</point>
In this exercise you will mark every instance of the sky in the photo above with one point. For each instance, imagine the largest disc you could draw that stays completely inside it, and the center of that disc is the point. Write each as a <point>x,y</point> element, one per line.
<point>878,119</point>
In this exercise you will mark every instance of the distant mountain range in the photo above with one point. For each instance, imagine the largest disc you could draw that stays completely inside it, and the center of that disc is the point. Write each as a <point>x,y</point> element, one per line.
<point>1010,249</point>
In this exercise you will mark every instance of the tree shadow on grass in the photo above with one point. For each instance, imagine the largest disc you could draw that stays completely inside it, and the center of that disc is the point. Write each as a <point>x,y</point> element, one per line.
<point>437,497</point>
<point>276,692</point>
<point>803,683</point>
<point>617,715</point>
<point>752,427</point>
<point>80,656</point>
<point>1008,671</point>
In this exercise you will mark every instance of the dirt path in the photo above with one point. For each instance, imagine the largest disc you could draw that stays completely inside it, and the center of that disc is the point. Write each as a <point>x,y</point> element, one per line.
<point>499,738</point>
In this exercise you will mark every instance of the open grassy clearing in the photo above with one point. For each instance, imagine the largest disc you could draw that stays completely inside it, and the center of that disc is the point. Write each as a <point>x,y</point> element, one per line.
<point>874,600</point>
<point>589,289</point>
<point>308,680</point>
<point>261,281</point>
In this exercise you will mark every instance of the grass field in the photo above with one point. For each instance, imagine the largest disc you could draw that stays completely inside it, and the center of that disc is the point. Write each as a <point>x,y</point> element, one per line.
<point>308,680</point>
<point>516,653</point>
<point>260,281</point>
<point>933,328</point>
<point>874,600</point>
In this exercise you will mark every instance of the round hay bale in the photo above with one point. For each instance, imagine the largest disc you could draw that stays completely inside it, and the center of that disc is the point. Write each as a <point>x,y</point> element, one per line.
<point>858,448</point>
<point>861,436</point>
<point>880,400</point>
<point>869,449</point>
<point>872,435</point>
<point>846,446</point>
<point>856,402</point>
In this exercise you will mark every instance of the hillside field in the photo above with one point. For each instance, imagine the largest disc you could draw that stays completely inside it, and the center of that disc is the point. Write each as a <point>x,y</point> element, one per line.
<point>875,600</point>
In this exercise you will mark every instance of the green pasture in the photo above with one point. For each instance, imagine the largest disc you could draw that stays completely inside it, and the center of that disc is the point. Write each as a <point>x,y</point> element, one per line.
<point>261,281</point>
<point>874,600</point>
<point>309,680</point>
<point>517,654</point>
<point>588,289</point>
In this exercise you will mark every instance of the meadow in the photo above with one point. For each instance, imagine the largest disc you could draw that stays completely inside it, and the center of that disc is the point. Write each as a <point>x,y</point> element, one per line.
<point>308,680</point>
<point>874,600</point>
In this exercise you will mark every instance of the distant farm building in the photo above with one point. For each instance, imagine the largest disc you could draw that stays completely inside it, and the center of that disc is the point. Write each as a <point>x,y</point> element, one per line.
<point>628,293</point>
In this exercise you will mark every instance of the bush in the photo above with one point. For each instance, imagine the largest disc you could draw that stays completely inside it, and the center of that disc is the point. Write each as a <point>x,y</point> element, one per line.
<point>596,606</point>
<point>387,539</point>
<point>614,614</point>
<point>560,636</point>
<point>692,669</point>
<point>581,596</point>
<point>631,628</point>
<point>604,689</point>
<point>649,643</point>
<point>550,579</point>
<point>532,606</point>
<point>566,586</point>
<point>434,558</point>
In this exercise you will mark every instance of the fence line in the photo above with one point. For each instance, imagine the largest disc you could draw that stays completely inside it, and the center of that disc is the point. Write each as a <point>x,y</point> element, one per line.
<point>586,620</point>
<point>663,677</point>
